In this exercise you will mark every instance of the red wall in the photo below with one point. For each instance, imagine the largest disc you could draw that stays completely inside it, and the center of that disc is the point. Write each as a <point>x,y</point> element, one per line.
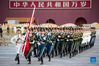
<point>60,16</point>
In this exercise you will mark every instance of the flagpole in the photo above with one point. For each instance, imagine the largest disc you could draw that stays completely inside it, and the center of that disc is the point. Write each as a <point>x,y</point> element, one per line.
<point>32,15</point>
<point>29,26</point>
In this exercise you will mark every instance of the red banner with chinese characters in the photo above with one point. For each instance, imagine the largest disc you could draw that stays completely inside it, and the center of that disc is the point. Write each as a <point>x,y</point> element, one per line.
<point>50,4</point>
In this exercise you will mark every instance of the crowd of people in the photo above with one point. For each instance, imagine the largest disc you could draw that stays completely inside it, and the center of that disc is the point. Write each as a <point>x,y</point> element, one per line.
<point>53,42</point>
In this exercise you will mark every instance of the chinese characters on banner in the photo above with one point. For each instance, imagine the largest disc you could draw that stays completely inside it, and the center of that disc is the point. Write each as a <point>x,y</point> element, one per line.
<point>49,4</point>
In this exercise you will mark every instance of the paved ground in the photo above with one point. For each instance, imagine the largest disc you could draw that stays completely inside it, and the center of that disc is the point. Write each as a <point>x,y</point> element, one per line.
<point>7,55</point>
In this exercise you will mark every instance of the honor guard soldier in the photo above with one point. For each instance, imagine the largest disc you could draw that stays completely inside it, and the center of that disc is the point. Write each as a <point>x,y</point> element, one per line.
<point>54,44</point>
<point>93,36</point>
<point>18,40</point>
<point>56,47</point>
<point>61,43</point>
<point>32,42</point>
<point>75,46</point>
<point>69,40</point>
<point>25,30</point>
<point>49,45</point>
<point>41,46</point>
<point>65,52</point>
<point>80,39</point>
<point>36,35</point>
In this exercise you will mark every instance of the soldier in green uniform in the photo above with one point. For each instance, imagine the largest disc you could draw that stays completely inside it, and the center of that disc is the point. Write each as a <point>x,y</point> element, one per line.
<point>76,37</point>
<point>80,37</point>
<point>53,39</point>
<point>32,41</point>
<point>93,36</point>
<point>56,41</point>
<point>60,42</point>
<point>49,45</point>
<point>25,30</point>
<point>36,34</point>
<point>69,41</point>
<point>65,41</point>
<point>72,40</point>
<point>41,46</point>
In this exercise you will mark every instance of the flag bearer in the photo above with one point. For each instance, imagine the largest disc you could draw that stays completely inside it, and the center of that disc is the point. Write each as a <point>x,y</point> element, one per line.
<point>32,42</point>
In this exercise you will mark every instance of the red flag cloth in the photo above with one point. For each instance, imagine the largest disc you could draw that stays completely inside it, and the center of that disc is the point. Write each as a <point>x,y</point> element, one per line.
<point>26,47</point>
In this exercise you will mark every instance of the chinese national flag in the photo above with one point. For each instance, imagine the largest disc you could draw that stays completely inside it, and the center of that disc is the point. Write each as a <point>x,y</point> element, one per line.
<point>26,46</point>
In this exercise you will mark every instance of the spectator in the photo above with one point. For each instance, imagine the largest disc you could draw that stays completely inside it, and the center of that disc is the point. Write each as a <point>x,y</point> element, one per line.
<point>1,31</point>
<point>8,30</point>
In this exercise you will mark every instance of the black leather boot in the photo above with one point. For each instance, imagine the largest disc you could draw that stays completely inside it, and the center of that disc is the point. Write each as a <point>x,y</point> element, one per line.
<point>29,62</point>
<point>18,59</point>
<point>41,60</point>
<point>49,58</point>
<point>29,59</point>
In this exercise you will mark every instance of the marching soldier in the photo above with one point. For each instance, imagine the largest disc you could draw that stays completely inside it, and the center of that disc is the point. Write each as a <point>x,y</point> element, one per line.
<point>69,40</point>
<point>57,42</point>
<point>55,35</point>
<point>53,39</point>
<point>61,44</point>
<point>80,39</point>
<point>25,30</point>
<point>65,41</point>
<point>49,45</point>
<point>76,36</point>
<point>41,47</point>
<point>93,36</point>
<point>32,42</point>
<point>18,40</point>
<point>36,33</point>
